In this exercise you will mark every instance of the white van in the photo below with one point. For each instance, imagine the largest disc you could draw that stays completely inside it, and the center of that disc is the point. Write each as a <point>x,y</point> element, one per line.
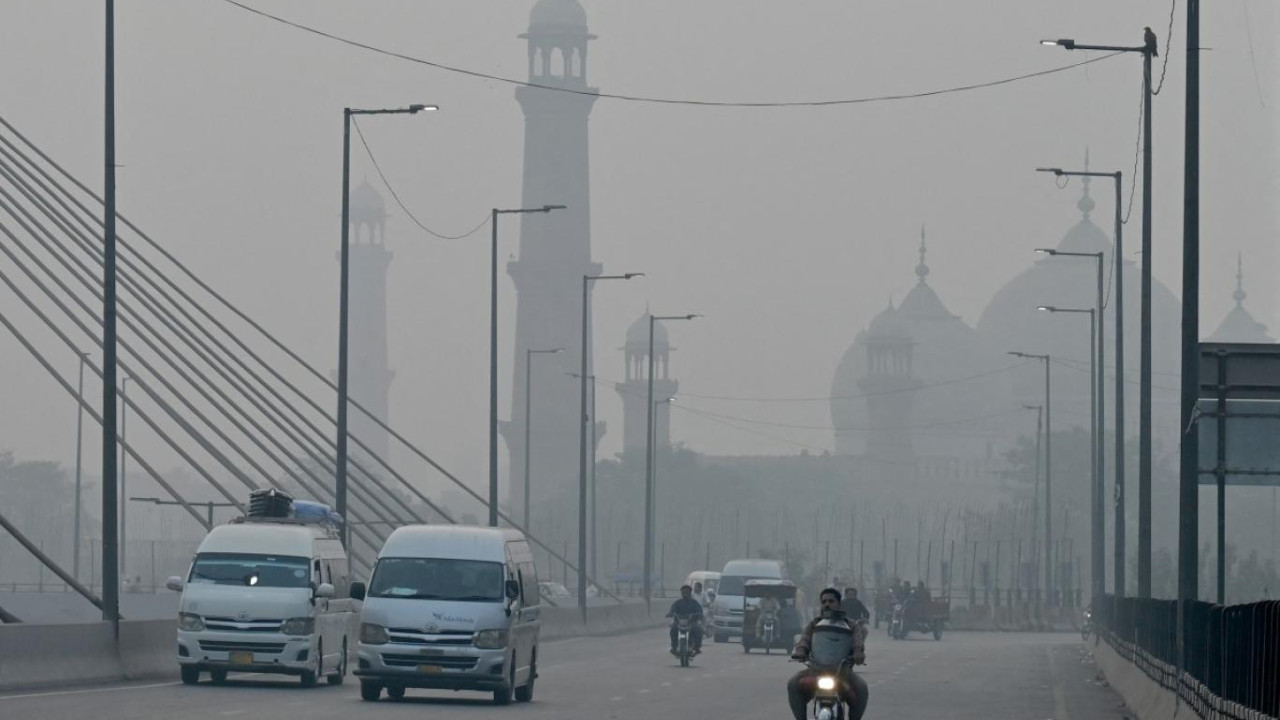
<point>726,613</point>
<point>266,595</point>
<point>450,607</point>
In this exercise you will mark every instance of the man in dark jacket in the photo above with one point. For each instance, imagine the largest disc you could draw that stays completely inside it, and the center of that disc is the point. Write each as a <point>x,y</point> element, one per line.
<point>686,605</point>
<point>800,688</point>
<point>853,607</point>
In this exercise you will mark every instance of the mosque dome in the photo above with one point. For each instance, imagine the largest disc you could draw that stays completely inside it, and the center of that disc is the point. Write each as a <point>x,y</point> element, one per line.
<point>638,335</point>
<point>558,14</point>
<point>366,204</point>
<point>942,347</point>
<point>1239,326</point>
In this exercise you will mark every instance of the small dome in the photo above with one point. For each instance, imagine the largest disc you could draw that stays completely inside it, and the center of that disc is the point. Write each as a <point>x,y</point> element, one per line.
<point>888,325</point>
<point>367,204</point>
<point>638,334</point>
<point>558,13</point>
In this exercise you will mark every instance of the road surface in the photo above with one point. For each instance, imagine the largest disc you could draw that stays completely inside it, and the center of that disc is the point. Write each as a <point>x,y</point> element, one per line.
<point>985,676</point>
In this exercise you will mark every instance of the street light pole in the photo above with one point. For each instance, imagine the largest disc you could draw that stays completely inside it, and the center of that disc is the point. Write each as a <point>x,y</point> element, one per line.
<point>648,466</point>
<point>1097,543</point>
<point>1035,493</point>
<point>110,494</point>
<point>583,418</point>
<point>528,416</point>
<point>493,351</point>
<point>1048,471</point>
<point>1098,573</point>
<point>340,469</point>
<point>1149,50</point>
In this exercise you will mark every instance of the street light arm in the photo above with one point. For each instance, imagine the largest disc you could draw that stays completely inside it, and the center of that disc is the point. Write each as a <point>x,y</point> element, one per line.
<point>411,110</point>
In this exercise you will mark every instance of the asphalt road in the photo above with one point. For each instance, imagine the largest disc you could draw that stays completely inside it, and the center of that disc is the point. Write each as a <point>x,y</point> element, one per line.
<point>984,676</point>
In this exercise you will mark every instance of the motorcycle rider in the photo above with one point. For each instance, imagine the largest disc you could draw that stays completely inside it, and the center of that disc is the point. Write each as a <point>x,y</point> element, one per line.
<point>800,688</point>
<point>767,605</point>
<point>852,607</point>
<point>686,605</point>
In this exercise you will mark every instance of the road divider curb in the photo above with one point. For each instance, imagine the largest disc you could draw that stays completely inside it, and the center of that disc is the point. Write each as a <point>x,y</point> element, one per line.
<point>1144,696</point>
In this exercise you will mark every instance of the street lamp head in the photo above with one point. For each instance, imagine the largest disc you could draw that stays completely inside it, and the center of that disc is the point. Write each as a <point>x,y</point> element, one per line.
<point>692,316</point>
<point>549,208</point>
<point>1066,43</point>
<point>629,276</point>
<point>1031,407</point>
<point>1047,251</point>
<point>1047,308</point>
<point>1015,353</point>
<point>418,107</point>
<point>1054,170</point>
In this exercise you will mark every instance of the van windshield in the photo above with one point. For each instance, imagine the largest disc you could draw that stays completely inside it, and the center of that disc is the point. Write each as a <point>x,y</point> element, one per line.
<point>246,569</point>
<point>734,584</point>
<point>437,579</point>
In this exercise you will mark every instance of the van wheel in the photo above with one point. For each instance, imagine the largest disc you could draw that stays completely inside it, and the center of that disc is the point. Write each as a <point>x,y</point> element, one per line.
<point>502,696</point>
<point>218,676</point>
<point>524,693</point>
<point>370,691</point>
<point>309,677</point>
<point>190,674</point>
<point>340,676</point>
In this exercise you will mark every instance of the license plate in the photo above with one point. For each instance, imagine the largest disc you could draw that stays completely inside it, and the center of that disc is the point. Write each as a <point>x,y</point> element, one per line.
<point>241,658</point>
<point>430,669</point>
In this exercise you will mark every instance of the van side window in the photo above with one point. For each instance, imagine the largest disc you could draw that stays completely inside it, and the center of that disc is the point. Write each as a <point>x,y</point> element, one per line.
<point>318,575</point>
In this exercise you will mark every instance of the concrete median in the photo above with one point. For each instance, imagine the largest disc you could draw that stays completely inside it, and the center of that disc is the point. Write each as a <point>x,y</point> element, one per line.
<point>1145,697</point>
<point>40,656</point>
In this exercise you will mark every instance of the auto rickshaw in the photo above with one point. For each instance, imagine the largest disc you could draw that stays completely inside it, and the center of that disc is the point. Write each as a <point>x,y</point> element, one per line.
<point>770,629</point>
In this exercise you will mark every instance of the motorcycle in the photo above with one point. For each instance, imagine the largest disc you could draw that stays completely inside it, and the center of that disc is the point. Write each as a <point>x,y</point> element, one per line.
<point>1087,626</point>
<point>828,660</point>
<point>896,630</point>
<point>684,639</point>
<point>768,631</point>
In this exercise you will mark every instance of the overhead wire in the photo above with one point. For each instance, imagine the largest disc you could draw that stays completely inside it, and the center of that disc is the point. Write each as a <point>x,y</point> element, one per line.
<point>396,195</point>
<point>858,396</point>
<point>1168,38</point>
<point>659,100</point>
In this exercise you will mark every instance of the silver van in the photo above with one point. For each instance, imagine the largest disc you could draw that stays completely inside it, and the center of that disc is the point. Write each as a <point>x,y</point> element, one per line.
<point>450,607</point>
<point>726,612</point>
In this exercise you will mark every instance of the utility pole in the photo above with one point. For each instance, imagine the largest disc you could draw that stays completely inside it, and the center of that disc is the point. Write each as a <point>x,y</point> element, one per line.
<point>75,553</point>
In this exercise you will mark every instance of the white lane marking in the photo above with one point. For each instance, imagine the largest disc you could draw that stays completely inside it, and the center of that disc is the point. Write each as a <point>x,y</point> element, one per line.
<point>615,699</point>
<point>642,692</point>
<point>87,691</point>
<point>666,684</point>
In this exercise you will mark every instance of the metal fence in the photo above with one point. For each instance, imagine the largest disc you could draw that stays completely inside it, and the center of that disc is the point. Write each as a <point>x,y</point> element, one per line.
<point>1231,661</point>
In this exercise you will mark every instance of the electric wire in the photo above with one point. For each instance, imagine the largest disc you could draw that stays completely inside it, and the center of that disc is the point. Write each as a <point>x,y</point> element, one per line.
<point>369,151</point>
<point>1168,38</point>
<point>658,100</point>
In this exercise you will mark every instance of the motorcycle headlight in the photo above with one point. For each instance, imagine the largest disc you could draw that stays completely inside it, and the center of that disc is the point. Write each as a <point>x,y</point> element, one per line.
<point>826,683</point>
<point>298,626</point>
<point>190,622</point>
<point>371,634</point>
<point>490,639</point>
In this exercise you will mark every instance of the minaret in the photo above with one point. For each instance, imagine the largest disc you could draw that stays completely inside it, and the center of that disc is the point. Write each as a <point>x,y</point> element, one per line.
<point>555,251</point>
<point>371,375</point>
<point>888,384</point>
<point>635,389</point>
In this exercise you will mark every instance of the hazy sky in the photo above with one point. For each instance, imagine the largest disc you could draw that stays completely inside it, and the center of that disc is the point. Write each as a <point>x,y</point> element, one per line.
<point>788,228</point>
